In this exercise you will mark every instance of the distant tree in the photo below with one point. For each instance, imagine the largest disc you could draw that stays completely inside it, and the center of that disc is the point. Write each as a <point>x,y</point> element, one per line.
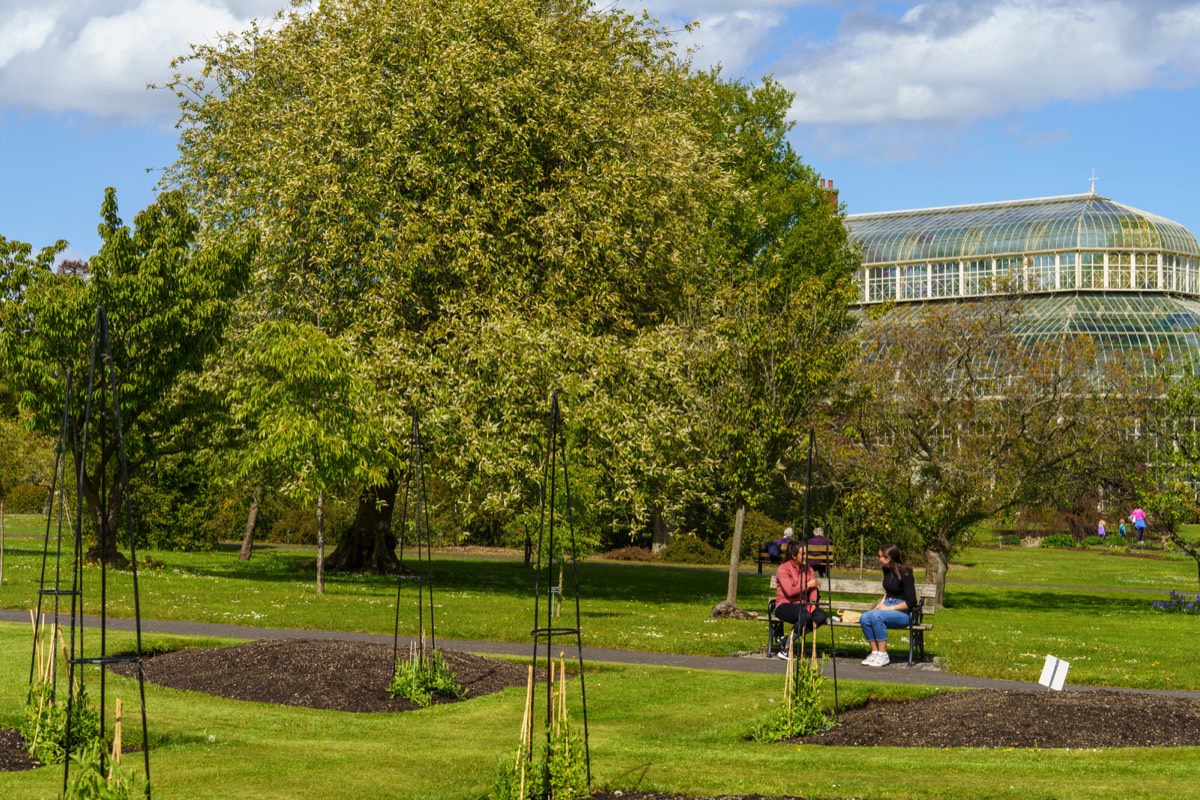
<point>74,268</point>
<point>953,419</point>
<point>167,301</point>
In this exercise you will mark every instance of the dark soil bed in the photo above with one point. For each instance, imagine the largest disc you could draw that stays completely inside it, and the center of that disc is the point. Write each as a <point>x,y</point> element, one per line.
<point>13,756</point>
<point>316,673</point>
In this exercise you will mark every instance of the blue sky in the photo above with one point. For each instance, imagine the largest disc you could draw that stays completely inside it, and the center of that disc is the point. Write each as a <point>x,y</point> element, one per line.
<point>902,105</point>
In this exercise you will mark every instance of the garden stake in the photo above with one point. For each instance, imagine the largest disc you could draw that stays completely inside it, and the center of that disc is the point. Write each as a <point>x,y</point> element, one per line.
<point>114,763</point>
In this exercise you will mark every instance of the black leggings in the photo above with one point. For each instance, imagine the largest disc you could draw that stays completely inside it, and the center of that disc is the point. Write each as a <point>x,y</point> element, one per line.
<point>799,616</point>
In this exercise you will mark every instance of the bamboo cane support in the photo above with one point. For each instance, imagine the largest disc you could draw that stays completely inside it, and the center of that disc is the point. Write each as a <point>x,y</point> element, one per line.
<point>115,762</point>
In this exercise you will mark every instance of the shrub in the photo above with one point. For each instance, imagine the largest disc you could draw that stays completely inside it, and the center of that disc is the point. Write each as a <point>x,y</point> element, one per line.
<point>802,712</point>
<point>1010,540</point>
<point>26,498</point>
<point>44,724</point>
<point>630,554</point>
<point>689,550</point>
<point>1092,541</point>
<point>299,525</point>
<point>95,777</point>
<point>1179,604</point>
<point>417,679</point>
<point>1058,540</point>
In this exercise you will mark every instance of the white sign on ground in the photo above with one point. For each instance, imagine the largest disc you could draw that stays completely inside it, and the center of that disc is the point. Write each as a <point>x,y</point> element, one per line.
<point>1054,674</point>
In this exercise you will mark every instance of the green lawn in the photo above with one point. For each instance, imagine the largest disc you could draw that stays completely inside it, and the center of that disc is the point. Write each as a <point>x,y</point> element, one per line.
<point>651,728</point>
<point>1092,608</point>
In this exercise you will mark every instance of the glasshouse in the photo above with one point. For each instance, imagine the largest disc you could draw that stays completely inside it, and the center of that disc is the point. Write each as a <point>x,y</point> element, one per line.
<point>1084,264</point>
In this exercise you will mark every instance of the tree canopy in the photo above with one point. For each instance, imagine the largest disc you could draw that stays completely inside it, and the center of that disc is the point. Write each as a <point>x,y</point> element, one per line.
<point>167,302</point>
<point>486,200</point>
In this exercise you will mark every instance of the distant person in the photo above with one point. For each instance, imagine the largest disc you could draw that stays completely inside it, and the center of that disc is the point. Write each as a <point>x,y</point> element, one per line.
<point>778,547</point>
<point>820,558</point>
<point>1139,523</point>
<point>797,592</point>
<point>1121,529</point>
<point>893,609</point>
<point>1100,530</point>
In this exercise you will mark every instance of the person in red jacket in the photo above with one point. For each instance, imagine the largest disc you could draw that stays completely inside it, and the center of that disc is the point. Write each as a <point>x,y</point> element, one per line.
<point>797,592</point>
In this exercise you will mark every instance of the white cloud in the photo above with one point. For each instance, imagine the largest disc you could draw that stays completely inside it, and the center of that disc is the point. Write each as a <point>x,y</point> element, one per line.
<point>98,56</point>
<point>960,60</point>
<point>22,30</point>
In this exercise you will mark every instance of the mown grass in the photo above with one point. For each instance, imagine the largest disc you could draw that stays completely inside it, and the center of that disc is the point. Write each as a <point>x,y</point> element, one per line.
<point>1006,608</point>
<point>650,728</point>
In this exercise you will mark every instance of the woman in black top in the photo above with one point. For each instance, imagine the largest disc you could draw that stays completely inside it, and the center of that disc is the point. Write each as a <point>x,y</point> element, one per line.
<point>892,610</point>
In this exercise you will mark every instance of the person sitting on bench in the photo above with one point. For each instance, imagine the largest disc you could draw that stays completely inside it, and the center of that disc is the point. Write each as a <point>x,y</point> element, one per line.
<point>797,592</point>
<point>893,609</point>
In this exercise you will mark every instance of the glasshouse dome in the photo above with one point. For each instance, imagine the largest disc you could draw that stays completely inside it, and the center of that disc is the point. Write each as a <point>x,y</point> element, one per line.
<point>1084,264</point>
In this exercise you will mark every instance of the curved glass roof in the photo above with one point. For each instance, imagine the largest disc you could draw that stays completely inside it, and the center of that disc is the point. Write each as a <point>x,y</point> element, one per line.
<point>1117,323</point>
<point>1018,227</point>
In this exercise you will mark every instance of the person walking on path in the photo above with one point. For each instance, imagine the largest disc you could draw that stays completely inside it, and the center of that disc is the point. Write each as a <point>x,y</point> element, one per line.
<point>893,609</point>
<point>797,591</point>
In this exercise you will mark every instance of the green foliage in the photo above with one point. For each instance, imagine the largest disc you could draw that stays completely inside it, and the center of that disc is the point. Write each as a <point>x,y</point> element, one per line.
<point>1058,540</point>
<point>167,299</point>
<point>419,677</point>
<point>1010,540</point>
<point>26,498</point>
<point>802,712</point>
<point>1089,541</point>
<point>95,777</point>
<point>44,724</point>
<point>687,549</point>
<point>299,525</point>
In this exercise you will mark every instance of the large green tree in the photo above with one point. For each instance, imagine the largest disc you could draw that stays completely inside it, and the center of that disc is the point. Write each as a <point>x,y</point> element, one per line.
<point>167,301</point>
<point>419,174</point>
<point>781,316</point>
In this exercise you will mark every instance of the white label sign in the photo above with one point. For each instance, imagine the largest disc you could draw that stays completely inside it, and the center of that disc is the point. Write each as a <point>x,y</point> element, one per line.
<point>1054,674</point>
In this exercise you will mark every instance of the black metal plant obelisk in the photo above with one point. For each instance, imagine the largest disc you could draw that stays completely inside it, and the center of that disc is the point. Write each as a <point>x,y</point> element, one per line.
<point>415,498</point>
<point>808,486</point>
<point>102,383</point>
<point>550,553</point>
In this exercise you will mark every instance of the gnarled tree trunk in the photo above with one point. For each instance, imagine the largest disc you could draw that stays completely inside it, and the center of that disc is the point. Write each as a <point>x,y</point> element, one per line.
<point>369,544</point>
<point>937,564</point>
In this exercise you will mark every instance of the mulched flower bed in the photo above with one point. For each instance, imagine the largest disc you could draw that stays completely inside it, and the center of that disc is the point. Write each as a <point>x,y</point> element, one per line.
<point>315,673</point>
<point>13,756</point>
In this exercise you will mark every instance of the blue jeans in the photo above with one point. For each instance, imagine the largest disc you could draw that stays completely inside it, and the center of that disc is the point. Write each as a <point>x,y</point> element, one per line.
<point>875,623</point>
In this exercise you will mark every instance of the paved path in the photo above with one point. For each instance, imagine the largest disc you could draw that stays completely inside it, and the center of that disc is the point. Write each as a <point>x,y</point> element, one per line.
<point>846,668</point>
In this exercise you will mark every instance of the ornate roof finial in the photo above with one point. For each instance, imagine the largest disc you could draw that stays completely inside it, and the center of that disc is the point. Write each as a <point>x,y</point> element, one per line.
<point>1093,180</point>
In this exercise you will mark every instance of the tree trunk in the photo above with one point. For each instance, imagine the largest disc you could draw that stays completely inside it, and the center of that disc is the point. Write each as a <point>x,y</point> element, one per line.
<point>104,520</point>
<point>369,544</point>
<point>729,607</point>
<point>1,541</point>
<point>251,522</point>
<point>936,566</point>
<point>320,543</point>
<point>661,532</point>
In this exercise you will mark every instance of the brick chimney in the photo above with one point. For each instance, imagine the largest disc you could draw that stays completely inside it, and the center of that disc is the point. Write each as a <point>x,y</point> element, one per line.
<point>831,194</point>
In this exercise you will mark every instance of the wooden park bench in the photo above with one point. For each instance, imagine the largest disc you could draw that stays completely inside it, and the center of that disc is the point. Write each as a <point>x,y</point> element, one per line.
<point>848,594</point>
<point>765,557</point>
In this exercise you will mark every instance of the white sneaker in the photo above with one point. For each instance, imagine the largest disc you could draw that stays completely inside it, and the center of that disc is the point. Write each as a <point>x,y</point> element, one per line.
<point>881,660</point>
<point>870,660</point>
